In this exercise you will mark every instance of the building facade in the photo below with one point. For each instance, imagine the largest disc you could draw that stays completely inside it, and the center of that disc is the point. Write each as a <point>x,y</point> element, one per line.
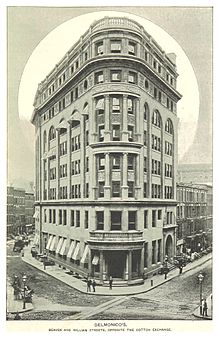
<point>15,210</point>
<point>196,173</point>
<point>106,154</point>
<point>29,212</point>
<point>193,218</point>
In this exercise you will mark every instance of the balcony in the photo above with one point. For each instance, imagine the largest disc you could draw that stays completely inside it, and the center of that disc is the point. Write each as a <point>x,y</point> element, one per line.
<point>116,237</point>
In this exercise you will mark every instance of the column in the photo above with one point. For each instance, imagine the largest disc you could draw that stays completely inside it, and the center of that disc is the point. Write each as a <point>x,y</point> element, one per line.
<point>104,268</point>
<point>101,266</point>
<point>92,123</point>
<point>48,178</point>
<point>93,176</point>
<point>129,258</point>
<point>107,187</point>
<point>107,132</point>
<point>125,176</point>
<point>137,178</point>
<point>125,119</point>
<point>138,116</point>
<point>107,223</point>
<point>58,164</point>
<point>141,269</point>
<point>124,220</point>
<point>82,156</point>
<point>69,152</point>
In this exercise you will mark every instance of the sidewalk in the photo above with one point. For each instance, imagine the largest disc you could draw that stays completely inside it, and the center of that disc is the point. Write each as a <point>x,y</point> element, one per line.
<point>196,313</point>
<point>14,306</point>
<point>80,285</point>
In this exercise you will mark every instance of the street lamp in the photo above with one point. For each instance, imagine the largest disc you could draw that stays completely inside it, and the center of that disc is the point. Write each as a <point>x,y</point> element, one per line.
<point>200,278</point>
<point>24,278</point>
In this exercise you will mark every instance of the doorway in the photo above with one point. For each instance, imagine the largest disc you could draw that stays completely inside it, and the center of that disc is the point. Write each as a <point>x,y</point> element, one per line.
<point>116,263</point>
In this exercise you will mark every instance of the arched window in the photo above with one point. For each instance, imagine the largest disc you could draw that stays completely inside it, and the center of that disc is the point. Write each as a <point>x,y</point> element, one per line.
<point>146,111</point>
<point>169,126</point>
<point>156,119</point>
<point>45,141</point>
<point>52,134</point>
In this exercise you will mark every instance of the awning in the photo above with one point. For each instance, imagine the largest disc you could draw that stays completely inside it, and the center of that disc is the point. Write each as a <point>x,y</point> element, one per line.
<point>71,249</point>
<point>62,125</point>
<point>95,260</point>
<point>49,242</point>
<point>52,244</point>
<point>59,245</point>
<point>85,255</point>
<point>76,254</point>
<point>63,249</point>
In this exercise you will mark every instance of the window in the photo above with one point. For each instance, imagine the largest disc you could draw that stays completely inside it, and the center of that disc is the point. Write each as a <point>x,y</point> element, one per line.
<point>101,133</point>
<point>169,127</point>
<point>99,48</point>
<point>116,189</point>
<point>130,133</point>
<point>145,255</point>
<point>156,143</point>
<point>131,48</point>
<point>72,220</point>
<point>87,138</point>
<point>145,189</point>
<point>132,77</point>
<point>168,170</point>
<point>87,190</point>
<point>101,189</point>
<point>63,148</point>
<point>132,220</point>
<point>60,217</point>
<point>146,84</point>
<point>153,252</point>
<point>116,46</point>
<point>116,105</point>
<point>50,216</point>
<point>168,192</point>
<point>145,219</point>
<point>86,220</point>
<point>130,189</point>
<point>168,148</point>
<point>154,218</point>
<point>159,214</point>
<point>115,220</point>
<point>146,111</point>
<point>99,220</point>
<point>156,119</point>
<point>130,162</point>
<point>52,134</point>
<point>130,106</point>
<point>64,217</point>
<point>115,75</point>
<point>54,216</point>
<point>116,161</point>
<point>115,132</point>
<point>155,191</point>
<point>77,218</point>
<point>85,85</point>
<point>101,162</point>
<point>145,137</point>
<point>87,164</point>
<point>145,164</point>
<point>156,167</point>
<point>99,78</point>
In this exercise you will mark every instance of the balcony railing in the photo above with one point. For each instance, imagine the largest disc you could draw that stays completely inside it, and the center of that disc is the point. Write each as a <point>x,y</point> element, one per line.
<point>116,236</point>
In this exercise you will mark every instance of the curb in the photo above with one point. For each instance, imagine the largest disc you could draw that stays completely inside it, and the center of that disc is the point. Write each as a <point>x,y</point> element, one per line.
<point>119,294</point>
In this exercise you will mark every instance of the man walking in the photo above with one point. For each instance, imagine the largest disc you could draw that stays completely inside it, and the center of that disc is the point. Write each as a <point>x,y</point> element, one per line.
<point>89,283</point>
<point>205,308</point>
<point>110,282</point>
<point>93,285</point>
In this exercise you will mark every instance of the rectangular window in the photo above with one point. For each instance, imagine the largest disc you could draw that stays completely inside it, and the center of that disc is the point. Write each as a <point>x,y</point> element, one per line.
<point>145,189</point>
<point>64,217</point>
<point>116,46</point>
<point>145,164</point>
<point>145,137</point>
<point>116,132</point>
<point>87,190</point>
<point>154,218</point>
<point>115,75</point>
<point>116,105</point>
<point>159,214</point>
<point>101,162</point>
<point>116,162</point>
<point>60,217</point>
<point>87,164</point>
<point>115,220</point>
<point>132,220</point>
<point>130,106</point>
<point>99,220</point>
<point>130,162</point>
<point>54,216</point>
<point>153,252</point>
<point>131,48</point>
<point>72,222</point>
<point>99,48</point>
<point>130,133</point>
<point>145,255</point>
<point>101,189</point>
<point>132,77</point>
<point>101,133</point>
<point>77,218</point>
<point>86,219</point>
<point>145,219</point>
<point>116,189</point>
<point>99,78</point>
<point>130,189</point>
<point>50,216</point>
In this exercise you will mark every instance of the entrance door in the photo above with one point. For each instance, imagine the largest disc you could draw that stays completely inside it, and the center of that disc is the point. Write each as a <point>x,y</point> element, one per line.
<point>116,263</point>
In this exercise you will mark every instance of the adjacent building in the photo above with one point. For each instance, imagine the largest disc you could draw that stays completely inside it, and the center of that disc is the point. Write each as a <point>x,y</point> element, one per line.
<point>106,154</point>
<point>195,173</point>
<point>194,217</point>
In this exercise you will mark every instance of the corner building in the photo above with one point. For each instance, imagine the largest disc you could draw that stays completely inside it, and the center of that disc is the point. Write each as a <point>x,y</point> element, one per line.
<point>106,151</point>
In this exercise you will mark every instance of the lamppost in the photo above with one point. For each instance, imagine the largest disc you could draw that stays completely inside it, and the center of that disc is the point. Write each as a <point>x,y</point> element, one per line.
<point>200,279</point>
<point>24,278</point>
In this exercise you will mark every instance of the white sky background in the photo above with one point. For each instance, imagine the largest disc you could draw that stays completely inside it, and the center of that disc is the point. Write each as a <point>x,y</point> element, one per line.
<point>53,47</point>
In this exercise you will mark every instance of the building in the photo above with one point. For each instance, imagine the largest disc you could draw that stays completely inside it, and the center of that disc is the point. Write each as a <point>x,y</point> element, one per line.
<point>106,154</point>
<point>20,211</point>
<point>197,173</point>
<point>193,217</point>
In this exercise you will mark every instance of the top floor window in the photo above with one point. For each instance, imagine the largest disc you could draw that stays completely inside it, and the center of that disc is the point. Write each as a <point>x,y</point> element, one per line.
<point>115,75</point>
<point>116,104</point>
<point>169,127</point>
<point>130,105</point>
<point>99,48</point>
<point>99,78</point>
<point>52,134</point>
<point>100,106</point>
<point>116,46</point>
<point>156,119</point>
<point>132,77</point>
<point>131,48</point>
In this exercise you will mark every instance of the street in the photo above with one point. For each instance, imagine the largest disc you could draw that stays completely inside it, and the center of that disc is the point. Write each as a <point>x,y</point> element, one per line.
<point>54,300</point>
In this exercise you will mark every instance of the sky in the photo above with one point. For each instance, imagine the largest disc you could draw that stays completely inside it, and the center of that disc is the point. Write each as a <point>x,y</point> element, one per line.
<point>28,26</point>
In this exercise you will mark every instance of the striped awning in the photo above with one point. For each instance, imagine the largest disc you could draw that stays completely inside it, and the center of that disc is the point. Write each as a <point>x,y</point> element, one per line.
<point>95,260</point>
<point>49,242</point>
<point>59,245</point>
<point>85,255</point>
<point>76,254</point>
<point>71,249</point>
<point>52,246</point>
<point>63,248</point>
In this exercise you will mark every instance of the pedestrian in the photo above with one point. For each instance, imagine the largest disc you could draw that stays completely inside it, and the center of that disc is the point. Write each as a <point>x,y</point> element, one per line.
<point>89,283</point>
<point>166,270</point>
<point>205,308</point>
<point>110,282</point>
<point>93,285</point>
<point>22,253</point>
<point>181,269</point>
